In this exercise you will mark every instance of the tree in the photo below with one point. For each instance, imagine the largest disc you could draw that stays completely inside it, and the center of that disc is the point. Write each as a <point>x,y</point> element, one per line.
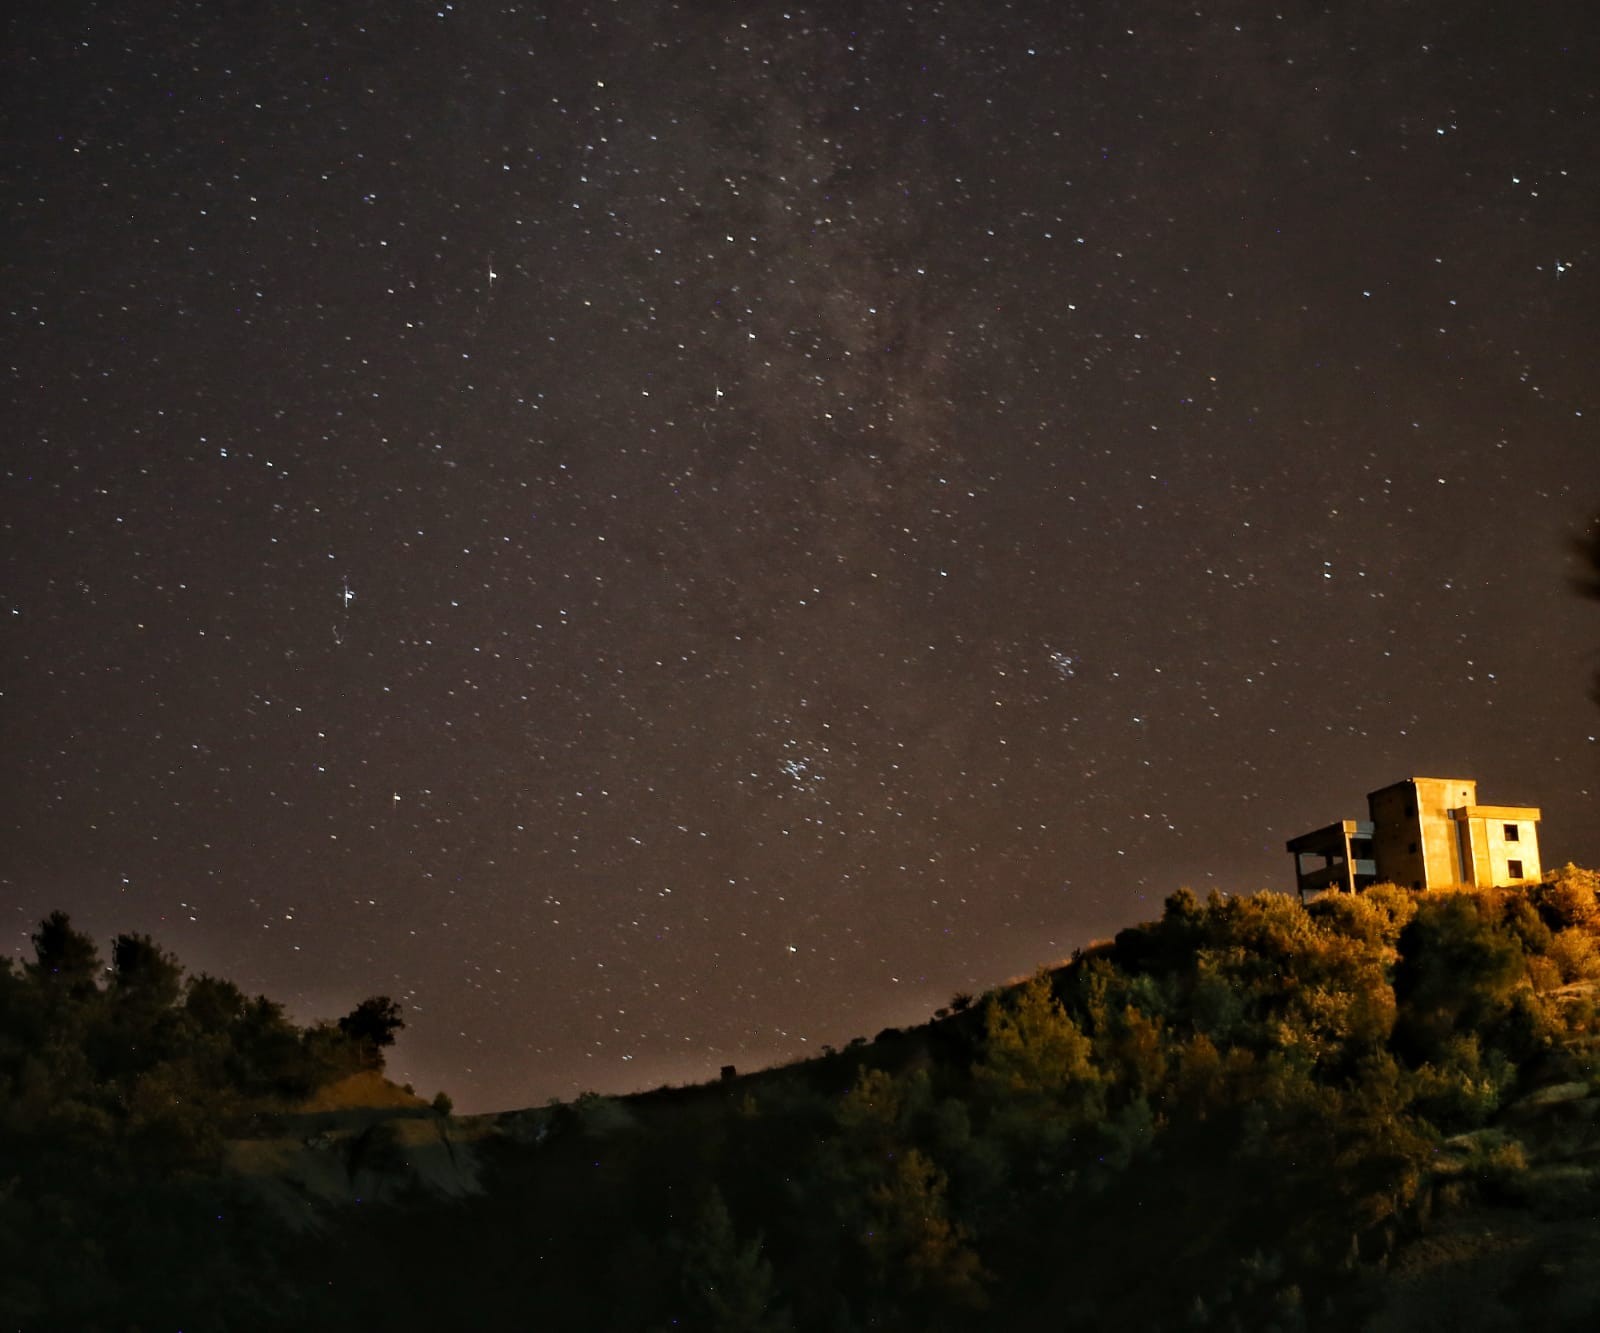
<point>870,1111</point>
<point>142,971</point>
<point>66,957</point>
<point>1589,547</point>
<point>727,1283</point>
<point>372,1025</point>
<point>1569,897</point>
<point>1032,1046</point>
<point>1457,968</point>
<point>141,1021</point>
<point>1588,582</point>
<point>913,1239</point>
<point>214,1004</point>
<point>267,1050</point>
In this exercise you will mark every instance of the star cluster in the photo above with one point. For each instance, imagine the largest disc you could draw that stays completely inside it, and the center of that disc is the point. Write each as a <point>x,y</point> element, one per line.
<point>666,535</point>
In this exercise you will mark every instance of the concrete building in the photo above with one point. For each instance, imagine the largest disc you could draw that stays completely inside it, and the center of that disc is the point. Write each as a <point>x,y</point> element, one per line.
<point>1422,833</point>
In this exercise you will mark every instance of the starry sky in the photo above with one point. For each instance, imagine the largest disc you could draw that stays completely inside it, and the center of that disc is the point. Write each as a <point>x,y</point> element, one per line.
<point>664,535</point>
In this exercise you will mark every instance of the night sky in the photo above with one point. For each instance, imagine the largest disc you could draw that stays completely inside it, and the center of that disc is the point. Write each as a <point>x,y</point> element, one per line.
<point>666,535</point>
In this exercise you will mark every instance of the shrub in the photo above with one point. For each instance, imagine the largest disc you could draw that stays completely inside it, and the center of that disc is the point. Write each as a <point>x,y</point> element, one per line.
<point>1523,920</point>
<point>1544,973</point>
<point>1375,917</point>
<point>1529,1026</point>
<point>1032,1046</point>
<point>1573,951</point>
<point>1570,897</point>
<point>1501,1170</point>
<point>1462,1087</point>
<point>1456,959</point>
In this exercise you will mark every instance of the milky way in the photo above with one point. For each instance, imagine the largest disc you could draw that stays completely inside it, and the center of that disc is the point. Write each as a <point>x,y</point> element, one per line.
<point>668,535</point>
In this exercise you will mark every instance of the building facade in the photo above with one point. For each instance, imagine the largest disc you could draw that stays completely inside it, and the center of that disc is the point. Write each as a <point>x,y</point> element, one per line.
<point>1422,833</point>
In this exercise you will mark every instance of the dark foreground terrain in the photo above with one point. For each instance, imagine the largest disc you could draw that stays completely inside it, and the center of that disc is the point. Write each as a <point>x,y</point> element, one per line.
<point>1376,1112</point>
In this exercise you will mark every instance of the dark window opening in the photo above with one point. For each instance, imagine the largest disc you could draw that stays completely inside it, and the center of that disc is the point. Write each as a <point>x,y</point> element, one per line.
<point>1514,869</point>
<point>1513,833</point>
<point>1412,848</point>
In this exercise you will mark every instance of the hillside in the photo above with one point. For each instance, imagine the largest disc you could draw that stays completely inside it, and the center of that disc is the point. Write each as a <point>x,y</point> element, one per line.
<point>1376,1112</point>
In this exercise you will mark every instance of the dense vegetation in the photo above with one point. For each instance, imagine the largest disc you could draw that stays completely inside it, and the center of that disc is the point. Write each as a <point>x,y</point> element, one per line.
<point>118,1089</point>
<point>1233,1117</point>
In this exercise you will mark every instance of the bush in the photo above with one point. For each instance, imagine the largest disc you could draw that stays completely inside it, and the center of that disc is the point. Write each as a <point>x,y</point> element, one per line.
<point>1375,917</point>
<point>1501,1170</point>
<point>1463,1087</point>
<point>1573,951</point>
<point>1570,897</point>
<point>1523,920</point>
<point>1530,1025</point>
<point>1544,973</point>
<point>1457,965</point>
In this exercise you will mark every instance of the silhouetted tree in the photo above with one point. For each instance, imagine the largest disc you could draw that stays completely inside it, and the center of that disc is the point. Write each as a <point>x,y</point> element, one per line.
<point>214,1004</point>
<point>1588,581</point>
<point>142,971</point>
<point>269,1051</point>
<point>66,957</point>
<point>372,1025</point>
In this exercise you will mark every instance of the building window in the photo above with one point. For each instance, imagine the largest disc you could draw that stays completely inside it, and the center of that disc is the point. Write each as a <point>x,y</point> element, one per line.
<point>1513,833</point>
<point>1412,848</point>
<point>1514,869</point>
